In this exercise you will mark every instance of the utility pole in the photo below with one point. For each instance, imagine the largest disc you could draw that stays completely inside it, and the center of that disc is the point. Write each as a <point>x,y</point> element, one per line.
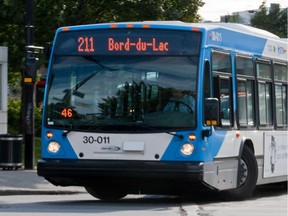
<point>28,90</point>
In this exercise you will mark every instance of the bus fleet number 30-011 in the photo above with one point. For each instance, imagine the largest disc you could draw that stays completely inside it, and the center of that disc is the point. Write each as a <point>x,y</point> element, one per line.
<point>96,140</point>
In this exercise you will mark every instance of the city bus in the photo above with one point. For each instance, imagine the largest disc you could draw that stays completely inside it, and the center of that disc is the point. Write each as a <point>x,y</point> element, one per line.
<point>165,107</point>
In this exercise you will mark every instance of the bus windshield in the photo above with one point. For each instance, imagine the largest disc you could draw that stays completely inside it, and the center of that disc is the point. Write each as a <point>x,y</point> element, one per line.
<point>122,92</point>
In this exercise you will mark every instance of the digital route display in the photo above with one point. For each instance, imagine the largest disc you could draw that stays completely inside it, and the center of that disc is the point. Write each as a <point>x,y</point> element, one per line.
<point>128,42</point>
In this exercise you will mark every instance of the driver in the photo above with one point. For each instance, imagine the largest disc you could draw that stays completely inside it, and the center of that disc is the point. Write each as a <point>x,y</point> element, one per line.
<point>180,102</point>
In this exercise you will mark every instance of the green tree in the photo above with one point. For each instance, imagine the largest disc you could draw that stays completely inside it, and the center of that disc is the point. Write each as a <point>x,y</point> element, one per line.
<point>274,21</point>
<point>12,30</point>
<point>50,15</point>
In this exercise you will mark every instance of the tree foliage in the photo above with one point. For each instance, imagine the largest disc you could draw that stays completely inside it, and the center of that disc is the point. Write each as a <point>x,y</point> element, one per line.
<point>50,15</point>
<point>274,20</point>
<point>12,31</point>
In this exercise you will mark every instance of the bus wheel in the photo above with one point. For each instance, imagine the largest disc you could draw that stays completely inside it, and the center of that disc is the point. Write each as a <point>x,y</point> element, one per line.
<point>106,193</point>
<point>248,175</point>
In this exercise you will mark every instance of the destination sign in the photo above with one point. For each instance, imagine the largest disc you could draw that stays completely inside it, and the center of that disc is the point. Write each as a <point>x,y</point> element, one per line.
<point>139,45</point>
<point>127,42</point>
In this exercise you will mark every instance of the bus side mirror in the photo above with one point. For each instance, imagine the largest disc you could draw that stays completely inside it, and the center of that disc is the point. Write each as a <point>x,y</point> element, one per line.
<point>212,112</point>
<point>211,115</point>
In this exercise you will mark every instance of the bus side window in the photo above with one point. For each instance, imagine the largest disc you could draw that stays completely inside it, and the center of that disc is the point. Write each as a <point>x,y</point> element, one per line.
<point>281,92</point>
<point>221,67</point>
<point>264,75</point>
<point>245,91</point>
<point>246,110</point>
<point>207,81</point>
<point>222,91</point>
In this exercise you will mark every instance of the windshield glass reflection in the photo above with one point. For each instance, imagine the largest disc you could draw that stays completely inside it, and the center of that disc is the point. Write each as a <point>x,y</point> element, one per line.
<point>122,93</point>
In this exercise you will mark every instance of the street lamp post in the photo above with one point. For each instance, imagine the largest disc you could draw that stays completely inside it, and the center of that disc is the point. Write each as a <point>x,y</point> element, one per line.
<point>28,91</point>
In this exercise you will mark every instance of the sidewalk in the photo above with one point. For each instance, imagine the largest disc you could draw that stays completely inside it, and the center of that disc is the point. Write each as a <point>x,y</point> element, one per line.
<point>25,182</point>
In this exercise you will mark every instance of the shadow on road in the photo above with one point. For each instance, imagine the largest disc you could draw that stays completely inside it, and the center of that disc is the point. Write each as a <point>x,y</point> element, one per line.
<point>79,203</point>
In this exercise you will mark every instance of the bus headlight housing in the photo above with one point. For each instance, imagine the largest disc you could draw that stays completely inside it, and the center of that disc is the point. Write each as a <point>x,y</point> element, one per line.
<point>53,147</point>
<point>187,149</point>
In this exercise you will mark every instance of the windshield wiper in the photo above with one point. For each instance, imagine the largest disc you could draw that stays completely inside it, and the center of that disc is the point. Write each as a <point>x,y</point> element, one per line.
<point>152,128</point>
<point>68,131</point>
<point>96,116</point>
<point>126,125</point>
<point>86,79</point>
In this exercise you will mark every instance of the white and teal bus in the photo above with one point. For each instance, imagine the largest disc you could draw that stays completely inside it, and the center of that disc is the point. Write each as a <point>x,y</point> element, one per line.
<point>163,107</point>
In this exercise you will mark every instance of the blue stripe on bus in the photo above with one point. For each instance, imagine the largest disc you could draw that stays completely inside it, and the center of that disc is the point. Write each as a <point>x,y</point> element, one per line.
<point>205,150</point>
<point>222,38</point>
<point>66,151</point>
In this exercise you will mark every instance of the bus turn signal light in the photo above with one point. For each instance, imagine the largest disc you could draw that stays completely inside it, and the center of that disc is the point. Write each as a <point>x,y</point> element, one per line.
<point>192,137</point>
<point>211,122</point>
<point>49,135</point>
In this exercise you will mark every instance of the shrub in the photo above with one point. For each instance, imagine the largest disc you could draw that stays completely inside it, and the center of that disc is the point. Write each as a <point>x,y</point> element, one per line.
<point>14,117</point>
<point>14,106</point>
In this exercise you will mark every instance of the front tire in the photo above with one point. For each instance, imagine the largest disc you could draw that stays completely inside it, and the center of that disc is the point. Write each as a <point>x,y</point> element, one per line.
<point>248,174</point>
<point>106,193</point>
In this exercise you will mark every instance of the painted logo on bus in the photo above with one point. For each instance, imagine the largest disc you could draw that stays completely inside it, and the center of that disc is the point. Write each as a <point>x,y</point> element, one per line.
<point>216,36</point>
<point>280,50</point>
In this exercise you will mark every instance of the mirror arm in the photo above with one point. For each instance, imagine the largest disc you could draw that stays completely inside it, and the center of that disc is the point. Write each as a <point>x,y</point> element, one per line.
<point>206,132</point>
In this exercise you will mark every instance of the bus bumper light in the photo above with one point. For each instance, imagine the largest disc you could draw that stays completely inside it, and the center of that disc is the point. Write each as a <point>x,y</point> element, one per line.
<point>187,149</point>
<point>53,147</point>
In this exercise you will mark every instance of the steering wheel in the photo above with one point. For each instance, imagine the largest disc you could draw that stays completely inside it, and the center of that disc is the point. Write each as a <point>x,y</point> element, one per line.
<point>177,104</point>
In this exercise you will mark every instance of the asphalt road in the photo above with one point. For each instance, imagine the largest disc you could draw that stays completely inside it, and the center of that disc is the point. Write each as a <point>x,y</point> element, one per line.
<point>270,200</point>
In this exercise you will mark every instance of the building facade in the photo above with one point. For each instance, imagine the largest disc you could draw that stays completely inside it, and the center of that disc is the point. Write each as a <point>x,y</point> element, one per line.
<point>244,17</point>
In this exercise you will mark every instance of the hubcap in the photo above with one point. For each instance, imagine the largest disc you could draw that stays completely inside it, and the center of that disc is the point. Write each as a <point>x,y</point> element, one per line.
<point>243,172</point>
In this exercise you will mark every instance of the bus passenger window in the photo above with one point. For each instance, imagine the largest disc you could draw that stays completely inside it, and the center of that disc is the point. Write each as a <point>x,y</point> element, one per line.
<point>221,67</point>
<point>225,102</point>
<point>280,77</point>
<point>280,92</point>
<point>245,91</point>
<point>264,76</point>
<point>265,103</point>
<point>206,81</point>
<point>246,102</point>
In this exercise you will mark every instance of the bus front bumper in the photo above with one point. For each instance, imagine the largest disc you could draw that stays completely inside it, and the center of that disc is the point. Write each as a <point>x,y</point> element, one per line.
<point>152,174</point>
<point>220,174</point>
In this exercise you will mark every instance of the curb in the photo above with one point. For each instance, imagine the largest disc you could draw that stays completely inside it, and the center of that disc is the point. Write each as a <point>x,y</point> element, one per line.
<point>27,182</point>
<point>13,192</point>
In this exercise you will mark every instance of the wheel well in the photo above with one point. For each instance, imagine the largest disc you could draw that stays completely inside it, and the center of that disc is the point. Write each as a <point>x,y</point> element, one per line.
<point>249,144</point>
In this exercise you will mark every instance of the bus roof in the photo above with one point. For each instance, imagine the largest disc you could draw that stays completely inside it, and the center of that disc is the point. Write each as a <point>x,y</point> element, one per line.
<point>231,26</point>
<point>208,26</point>
<point>233,36</point>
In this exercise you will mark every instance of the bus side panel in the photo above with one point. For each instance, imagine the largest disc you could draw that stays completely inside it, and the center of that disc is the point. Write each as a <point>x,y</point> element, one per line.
<point>275,154</point>
<point>270,150</point>
<point>222,172</point>
<point>230,146</point>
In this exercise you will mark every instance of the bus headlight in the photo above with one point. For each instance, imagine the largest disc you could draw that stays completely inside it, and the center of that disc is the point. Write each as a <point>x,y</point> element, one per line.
<point>53,147</point>
<point>187,149</point>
